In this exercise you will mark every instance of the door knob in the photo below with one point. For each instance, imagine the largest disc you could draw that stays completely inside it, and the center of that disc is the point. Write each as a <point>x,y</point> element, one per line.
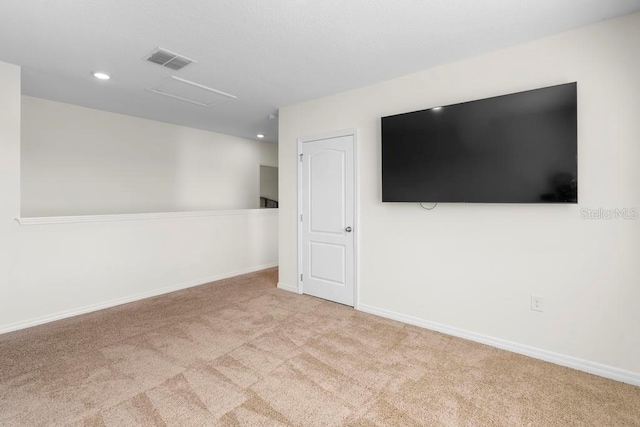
<point>348,229</point>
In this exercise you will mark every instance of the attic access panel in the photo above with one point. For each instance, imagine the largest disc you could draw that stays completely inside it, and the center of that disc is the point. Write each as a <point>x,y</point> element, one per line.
<point>188,91</point>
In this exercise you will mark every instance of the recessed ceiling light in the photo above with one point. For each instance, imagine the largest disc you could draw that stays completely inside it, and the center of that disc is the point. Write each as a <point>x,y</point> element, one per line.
<point>101,76</point>
<point>436,108</point>
<point>260,135</point>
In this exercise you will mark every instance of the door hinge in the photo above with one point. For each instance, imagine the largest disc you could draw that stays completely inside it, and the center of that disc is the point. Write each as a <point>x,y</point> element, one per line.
<point>301,156</point>
<point>300,217</point>
<point>301,277</point>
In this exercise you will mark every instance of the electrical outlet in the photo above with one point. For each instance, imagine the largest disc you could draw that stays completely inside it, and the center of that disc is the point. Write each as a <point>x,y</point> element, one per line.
<point>537,303</point>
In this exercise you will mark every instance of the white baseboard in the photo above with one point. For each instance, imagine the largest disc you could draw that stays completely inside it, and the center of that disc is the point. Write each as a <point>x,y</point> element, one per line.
<point>594,368</point>
<point>119,301</point>
<point>289,288</point>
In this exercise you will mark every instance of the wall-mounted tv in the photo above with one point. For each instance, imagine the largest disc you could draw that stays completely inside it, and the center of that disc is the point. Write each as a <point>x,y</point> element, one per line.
<point>516,148</point>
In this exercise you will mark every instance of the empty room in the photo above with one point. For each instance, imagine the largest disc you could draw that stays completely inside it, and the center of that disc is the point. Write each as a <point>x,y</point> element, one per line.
<point>306,213</point>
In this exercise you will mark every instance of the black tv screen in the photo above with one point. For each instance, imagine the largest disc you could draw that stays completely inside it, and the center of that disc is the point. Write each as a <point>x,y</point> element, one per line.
<point>516,148</point>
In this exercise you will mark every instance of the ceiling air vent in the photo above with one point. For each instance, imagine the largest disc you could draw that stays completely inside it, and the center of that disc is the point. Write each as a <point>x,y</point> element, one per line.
<point>168,59</point>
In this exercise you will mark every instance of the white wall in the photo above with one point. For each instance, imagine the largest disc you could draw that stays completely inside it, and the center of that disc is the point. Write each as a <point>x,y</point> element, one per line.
<point>269,154</point>
<point>473,267</point>
<point>55,270</point>
<point>9,177</point>
<point>80,161</point>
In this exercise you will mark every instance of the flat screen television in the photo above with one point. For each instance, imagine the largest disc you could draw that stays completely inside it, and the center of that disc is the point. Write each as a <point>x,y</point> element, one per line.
<point>516,148</point>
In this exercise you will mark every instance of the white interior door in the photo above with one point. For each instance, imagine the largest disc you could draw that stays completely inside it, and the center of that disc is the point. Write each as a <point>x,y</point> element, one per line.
<point>327,221</point>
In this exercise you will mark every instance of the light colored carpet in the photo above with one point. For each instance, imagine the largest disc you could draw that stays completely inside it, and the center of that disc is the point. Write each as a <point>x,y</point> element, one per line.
<point>241,352</point>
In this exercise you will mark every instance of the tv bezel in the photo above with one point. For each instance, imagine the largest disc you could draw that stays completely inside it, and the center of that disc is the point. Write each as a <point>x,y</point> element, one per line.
<point>541,202</point>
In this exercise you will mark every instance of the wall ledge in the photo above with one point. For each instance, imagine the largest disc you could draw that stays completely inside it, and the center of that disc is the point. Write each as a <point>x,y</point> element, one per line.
<point>138,216</point>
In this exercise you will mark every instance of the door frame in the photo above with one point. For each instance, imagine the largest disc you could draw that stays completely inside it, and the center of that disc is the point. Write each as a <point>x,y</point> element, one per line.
<point>356,210</point>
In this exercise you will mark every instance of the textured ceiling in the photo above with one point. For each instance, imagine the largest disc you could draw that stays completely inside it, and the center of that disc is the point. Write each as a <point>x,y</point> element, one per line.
<point>269,53</point>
